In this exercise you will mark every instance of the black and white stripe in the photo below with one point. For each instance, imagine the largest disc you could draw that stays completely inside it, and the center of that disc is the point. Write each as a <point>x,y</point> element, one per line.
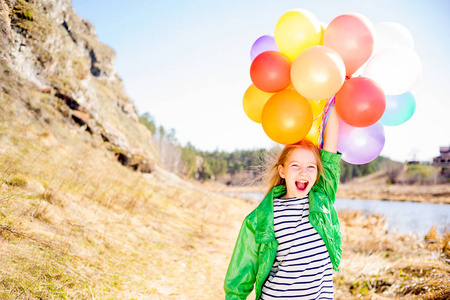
<point>302,268</point>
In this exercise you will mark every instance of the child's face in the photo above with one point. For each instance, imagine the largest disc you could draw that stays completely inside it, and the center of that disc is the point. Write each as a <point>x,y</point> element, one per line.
<point>299,172</point>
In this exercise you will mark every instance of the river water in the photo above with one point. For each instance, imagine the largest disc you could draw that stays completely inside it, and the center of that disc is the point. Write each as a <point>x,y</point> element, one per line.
<point>402,216</point>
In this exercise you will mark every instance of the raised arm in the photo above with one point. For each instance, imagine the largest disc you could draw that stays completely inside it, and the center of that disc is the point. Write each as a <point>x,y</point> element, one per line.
<point>331,171</point>
<point>330,136</point>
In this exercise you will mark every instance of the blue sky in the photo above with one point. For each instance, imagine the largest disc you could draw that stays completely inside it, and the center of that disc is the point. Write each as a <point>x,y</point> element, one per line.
<point>187,64</point>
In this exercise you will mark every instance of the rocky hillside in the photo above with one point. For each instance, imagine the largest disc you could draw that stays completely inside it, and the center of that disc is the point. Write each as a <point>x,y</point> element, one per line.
<point>54,66</point>
<point>86,212</point>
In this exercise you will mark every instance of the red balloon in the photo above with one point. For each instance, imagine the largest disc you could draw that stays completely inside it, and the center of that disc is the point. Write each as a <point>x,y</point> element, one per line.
<point>360,102</point>
<point>270,71</point>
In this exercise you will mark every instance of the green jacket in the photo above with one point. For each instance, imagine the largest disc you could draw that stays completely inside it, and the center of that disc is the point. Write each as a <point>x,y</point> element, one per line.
<point>256,246</point>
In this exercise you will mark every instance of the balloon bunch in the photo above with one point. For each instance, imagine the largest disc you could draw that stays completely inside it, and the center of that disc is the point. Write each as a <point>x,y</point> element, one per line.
<point>305,67</point>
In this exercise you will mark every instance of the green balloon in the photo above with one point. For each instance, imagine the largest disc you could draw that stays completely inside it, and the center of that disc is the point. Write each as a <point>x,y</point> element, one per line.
<point>399,108</point>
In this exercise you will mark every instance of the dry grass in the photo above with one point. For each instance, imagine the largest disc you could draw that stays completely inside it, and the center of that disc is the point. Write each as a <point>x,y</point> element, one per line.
<point>99,237</point>
<point>380,266</point>
<point>75,224</point>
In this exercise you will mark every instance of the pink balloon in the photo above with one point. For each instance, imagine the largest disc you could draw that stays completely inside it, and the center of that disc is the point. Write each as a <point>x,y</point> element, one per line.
<point>360,145</point>
<point>262,44</point>
<point>350,35</point>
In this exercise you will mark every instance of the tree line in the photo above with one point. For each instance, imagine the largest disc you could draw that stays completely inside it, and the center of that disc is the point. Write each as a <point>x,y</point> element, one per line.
<point>224,166</point>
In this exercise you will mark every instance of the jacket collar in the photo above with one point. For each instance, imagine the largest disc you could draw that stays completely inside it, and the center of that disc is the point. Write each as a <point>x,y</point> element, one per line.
<point>264,215</point>
<point>264,231</point>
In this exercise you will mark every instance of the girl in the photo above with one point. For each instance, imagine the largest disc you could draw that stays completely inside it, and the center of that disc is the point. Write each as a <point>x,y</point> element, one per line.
<point>289,244</point>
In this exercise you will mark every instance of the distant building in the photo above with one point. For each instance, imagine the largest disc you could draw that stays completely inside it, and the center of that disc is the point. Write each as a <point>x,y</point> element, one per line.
<point>443,161</point>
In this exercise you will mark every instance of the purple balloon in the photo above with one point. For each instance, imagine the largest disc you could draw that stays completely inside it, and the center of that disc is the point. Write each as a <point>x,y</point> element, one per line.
<point>262,44</point>
<point>360,145</point>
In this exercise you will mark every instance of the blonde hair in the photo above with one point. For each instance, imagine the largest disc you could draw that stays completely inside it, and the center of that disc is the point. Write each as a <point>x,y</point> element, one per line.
<point>273,177</point>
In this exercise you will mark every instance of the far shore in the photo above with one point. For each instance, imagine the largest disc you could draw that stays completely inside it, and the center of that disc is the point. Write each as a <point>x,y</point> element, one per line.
<point>414,193</point>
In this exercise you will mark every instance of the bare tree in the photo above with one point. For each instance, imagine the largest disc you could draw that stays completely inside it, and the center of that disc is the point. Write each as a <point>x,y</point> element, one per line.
<point>394,171</point>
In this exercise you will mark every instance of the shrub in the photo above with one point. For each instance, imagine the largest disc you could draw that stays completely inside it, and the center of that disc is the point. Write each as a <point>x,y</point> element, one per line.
<point>16,180</point>
<point>422,174</point>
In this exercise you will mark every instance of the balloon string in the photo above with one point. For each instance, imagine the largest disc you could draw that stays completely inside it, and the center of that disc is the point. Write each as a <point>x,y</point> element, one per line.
<point>318,116</point>
<point>328,106</point>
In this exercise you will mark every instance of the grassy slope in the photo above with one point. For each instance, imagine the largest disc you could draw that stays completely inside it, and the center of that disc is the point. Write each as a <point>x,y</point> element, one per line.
<point>76,224</point>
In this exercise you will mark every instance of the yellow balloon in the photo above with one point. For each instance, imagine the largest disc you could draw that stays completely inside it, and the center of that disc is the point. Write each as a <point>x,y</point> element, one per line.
<point>323,26</point>
<point>317,106</point>
<point>253,102</point>
<point>295,31</point>
<point>317,109</point>
<point>314,132</point>
<point>318,73</point>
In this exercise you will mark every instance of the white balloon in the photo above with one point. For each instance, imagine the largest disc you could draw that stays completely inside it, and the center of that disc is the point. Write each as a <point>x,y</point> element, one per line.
<point>389,34</point>
<point>397,69</point>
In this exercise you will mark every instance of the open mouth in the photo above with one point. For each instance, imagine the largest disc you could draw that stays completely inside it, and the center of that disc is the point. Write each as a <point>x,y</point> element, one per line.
<point>301,184</point>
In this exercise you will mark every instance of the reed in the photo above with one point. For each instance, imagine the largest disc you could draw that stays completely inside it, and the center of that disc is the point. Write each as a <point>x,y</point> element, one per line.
<point>377,265</point>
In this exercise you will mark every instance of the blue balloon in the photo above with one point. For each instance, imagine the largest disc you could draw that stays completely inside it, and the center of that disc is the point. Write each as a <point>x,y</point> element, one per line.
<point>399,108</point>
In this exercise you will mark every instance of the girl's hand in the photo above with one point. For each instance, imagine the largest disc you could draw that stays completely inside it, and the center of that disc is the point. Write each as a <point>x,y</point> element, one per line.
<point>331,132</point>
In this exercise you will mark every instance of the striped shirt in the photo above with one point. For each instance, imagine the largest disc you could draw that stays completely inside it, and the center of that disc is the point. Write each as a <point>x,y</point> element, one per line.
<point>302,268</point>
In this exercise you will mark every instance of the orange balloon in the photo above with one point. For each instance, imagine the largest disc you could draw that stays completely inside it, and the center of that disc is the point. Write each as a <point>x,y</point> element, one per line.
<point>253,102</point>
<point>287,117</point>
<point>318,73</point>
<point>351,35</point>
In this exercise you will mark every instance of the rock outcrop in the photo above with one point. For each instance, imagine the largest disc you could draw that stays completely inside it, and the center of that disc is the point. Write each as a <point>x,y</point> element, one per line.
<point>54,51</point>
